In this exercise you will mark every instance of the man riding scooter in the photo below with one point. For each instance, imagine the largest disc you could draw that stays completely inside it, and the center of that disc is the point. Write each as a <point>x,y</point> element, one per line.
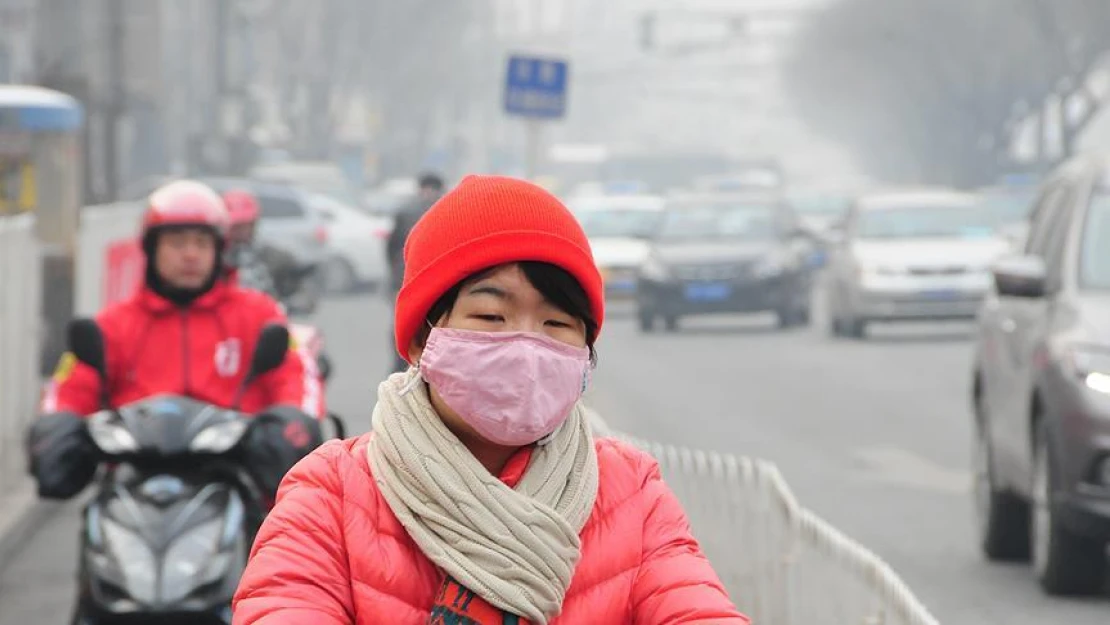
<point>188,331</point>
<point>243,262</point>
<point>245,267</point>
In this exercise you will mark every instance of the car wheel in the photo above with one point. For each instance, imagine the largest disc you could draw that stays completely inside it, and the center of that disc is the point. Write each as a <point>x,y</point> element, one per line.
<point>790,317</point>
<point>1065,563</point>
<point>1002,517</point>
<point>339,276</point>
<point>82,617</point>
<point>646,319</point>
<point>832,310</point>
<point>670,322</point>
<point>805,316</point>
<point>854,328</point>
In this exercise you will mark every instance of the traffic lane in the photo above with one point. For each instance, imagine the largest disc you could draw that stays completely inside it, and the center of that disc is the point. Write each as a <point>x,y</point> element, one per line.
<point>874,436</point>
<point>358,333</point>
<point>39,583</point>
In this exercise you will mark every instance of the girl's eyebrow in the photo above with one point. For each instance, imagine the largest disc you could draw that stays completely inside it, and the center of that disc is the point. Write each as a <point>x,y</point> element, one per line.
<point>488,289</point>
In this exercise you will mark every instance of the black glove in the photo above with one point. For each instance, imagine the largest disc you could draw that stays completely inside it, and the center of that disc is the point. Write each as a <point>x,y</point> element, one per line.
<point>279,438</point>
<point>62,457</point>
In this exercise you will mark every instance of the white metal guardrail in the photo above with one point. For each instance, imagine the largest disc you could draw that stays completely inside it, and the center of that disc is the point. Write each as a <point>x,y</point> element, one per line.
<point>20,341</point>
<point>781,563</point>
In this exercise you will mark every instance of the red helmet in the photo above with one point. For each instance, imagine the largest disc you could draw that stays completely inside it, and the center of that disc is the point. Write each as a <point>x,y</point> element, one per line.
<point>185,203</point>
<point>242,206</point>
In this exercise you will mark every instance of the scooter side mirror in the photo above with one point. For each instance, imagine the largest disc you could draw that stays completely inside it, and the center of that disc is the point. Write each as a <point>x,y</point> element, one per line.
<point>85,341</point>
<point>270,350</point>
<point>269,353</point>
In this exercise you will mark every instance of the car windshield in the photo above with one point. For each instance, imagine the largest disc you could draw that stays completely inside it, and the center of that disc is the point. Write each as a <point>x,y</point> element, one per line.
<point>921,222</point>
<point>751,222</point>
<point>619,222</point>
<point>1010,208</point>
<point>819,205</point>
<point>338,191</point>
<point>1094,262</point>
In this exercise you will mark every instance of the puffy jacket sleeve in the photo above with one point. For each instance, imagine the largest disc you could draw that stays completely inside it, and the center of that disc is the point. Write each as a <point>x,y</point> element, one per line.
<point>675,584</point>
<point>298,570</point>
<point>297,381</point>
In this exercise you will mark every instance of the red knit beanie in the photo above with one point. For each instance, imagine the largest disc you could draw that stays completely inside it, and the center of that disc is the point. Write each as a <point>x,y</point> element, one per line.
<point>484,222</point>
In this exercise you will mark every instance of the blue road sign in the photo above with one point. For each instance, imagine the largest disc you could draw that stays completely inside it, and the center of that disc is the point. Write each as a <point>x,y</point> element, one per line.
<point>536,87</point>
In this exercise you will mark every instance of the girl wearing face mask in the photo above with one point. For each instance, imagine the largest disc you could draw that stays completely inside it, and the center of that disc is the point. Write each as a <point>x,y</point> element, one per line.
<point>481,495</point>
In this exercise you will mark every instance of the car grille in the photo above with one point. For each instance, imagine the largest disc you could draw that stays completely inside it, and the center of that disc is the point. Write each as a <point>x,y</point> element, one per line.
<point>730,271</point>
<point>952,270</point>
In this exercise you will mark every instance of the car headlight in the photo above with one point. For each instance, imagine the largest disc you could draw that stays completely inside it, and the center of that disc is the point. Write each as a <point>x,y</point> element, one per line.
<point>878,269</point>
<point>654,269</point>
<point>193,561</point>
<point>135,559</point>
<point>216,439</point>
<point>1091,364</point>
<point>769,267</point>
<point>110,435</point>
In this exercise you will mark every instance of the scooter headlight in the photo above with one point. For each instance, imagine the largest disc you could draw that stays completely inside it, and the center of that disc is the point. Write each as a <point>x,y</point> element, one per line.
<point>216,439</point>
<point>192,561</point>
<point>135,560</point>
<point>110,435</point>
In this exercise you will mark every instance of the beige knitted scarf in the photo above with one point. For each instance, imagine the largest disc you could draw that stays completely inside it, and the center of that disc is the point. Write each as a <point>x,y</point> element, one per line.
<point>515,548</point>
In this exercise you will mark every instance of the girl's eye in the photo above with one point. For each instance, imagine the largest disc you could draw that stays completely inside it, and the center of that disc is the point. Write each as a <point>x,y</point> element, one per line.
<point>558,324</point>
<point>492,318</point>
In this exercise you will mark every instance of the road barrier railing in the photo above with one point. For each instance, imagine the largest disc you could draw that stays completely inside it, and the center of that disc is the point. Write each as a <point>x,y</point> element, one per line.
<point>781,563</point>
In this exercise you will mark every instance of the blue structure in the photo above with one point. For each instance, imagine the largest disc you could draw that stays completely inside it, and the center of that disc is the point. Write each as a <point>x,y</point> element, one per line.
<point>40,173</point>
<point>536,87</point>
<point>34,109</point>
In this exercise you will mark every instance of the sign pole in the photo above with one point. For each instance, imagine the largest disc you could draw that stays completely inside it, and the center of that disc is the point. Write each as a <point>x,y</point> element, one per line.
<point>536,90</point>
<point>532,127</point>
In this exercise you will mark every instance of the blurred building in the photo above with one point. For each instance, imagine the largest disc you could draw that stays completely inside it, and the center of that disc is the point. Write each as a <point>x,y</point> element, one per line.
<point>159,79</point>
<point>17,36</point>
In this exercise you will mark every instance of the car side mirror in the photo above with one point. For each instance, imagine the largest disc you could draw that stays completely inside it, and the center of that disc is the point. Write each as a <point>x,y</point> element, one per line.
<point>1021,276</point>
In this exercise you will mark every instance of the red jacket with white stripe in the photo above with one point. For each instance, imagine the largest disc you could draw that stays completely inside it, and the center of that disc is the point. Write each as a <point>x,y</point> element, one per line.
<point>202,351</point>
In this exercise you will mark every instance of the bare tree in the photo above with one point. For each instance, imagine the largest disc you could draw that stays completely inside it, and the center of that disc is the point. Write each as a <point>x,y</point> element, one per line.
<point>934,91</point>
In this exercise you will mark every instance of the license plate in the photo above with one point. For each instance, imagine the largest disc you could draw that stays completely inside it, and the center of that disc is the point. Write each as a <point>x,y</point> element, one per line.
<point>621,285</point>
<point>945,295</point>
<point>708,292</point>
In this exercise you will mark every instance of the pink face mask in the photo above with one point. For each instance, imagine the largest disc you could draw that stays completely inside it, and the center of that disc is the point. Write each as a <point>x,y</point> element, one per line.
<point>513,388</point>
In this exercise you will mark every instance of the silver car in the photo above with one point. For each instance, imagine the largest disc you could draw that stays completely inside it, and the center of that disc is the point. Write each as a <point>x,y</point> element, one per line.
<point>1041,388</point>
<point>911,255</point>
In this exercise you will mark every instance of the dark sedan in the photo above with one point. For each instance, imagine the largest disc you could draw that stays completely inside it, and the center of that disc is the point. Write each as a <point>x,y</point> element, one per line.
<point>726,254</point>
<point>1042,389</point>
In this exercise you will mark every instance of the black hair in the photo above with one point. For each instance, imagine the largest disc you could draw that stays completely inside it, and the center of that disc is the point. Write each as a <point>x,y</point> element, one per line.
<point>556,285</point>
<point>430,181</point>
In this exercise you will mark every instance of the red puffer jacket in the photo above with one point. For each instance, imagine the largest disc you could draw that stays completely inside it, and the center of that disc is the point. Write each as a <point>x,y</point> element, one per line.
<point>202,351</point>
<point>333,553</point>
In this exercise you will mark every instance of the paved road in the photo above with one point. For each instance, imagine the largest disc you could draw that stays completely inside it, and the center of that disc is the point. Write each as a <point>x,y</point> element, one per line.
<point>873,436</point>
